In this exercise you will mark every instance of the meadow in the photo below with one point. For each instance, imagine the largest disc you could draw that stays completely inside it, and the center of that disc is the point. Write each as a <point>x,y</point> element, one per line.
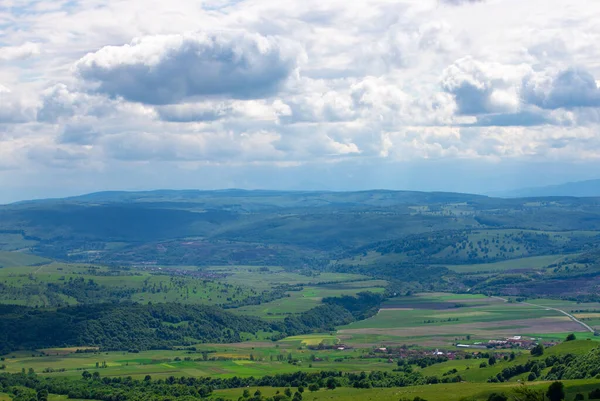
<point>60,284</point>
<point>438,392</point>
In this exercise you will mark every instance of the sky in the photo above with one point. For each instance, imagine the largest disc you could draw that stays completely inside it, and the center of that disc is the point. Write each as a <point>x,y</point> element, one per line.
<point>452,95</point>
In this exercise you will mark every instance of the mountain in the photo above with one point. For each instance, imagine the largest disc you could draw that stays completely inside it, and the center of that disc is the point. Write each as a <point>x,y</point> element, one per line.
<point>589,188</point>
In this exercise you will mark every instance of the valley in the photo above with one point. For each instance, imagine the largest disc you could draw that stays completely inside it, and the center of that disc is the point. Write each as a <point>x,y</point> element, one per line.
<point>409,294</point>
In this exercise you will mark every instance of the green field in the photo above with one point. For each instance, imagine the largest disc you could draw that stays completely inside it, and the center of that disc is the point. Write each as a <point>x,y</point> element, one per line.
<point>533,262</point>
<point>309,297</point>
<point>230,360</point>
<point>85,283</point>
<point>438,392</point>
<point>16,259</point>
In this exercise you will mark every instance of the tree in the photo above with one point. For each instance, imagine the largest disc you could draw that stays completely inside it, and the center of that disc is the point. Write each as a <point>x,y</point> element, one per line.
<point>86,375</point>
<point>571,337</point>
<point>42,395</point>
<point>538,350</point>
<point>246,393</point>
<point>524,393</point>
<point>556,391</point>
<point>331,383</point>
<point>313,387</point>
<point>579,397</point>
<point>492,360</point>
<point>288,392</point>
<point>257,393</point>
<point>594,394</point>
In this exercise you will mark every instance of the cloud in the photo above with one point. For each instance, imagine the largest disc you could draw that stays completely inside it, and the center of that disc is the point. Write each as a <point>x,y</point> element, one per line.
<point>22,52</point>
<point>79,134</point>
<point>12,109</point>
<point>460,2</point>
<point>483,87</point>
<point>167,69</point>
<point>570,88</point>
<point>209,111</point>
<point>59,103</point>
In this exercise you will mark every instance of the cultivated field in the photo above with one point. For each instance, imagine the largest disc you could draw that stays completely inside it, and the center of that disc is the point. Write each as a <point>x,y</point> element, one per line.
<point>443,319</point>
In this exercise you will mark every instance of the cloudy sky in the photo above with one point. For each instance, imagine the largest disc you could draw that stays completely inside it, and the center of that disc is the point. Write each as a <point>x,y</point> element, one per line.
<point>463,95</point>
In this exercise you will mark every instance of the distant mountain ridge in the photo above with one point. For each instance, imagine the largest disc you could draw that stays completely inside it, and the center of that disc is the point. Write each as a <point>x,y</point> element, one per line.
<point>580,189</point>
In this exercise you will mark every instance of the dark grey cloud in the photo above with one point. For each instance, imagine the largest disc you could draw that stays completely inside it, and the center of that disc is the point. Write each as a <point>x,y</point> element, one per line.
<point>571,88</point>
<point>168,69</point>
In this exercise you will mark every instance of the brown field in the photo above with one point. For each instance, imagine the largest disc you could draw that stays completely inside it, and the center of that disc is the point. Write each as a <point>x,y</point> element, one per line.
<point>558,324</point>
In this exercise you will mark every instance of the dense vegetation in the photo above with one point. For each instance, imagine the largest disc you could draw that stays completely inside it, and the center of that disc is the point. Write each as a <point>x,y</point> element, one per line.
<point>120,326</point>
<point>411,239</point>
<point>128,326</point>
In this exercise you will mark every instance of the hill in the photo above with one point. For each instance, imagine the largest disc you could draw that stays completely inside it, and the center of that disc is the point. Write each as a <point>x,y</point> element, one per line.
<point>589,188</point>
<point>410,238</point>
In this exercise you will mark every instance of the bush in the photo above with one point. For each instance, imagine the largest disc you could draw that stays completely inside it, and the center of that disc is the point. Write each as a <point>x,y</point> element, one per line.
<point>538,350</point>
<point>497,397</point>
<point>594,394</point>
<point>571,337</point>
<point>556,391</point>
<point>579,397</point>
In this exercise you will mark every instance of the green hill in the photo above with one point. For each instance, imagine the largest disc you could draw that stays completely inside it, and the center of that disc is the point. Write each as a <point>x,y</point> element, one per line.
<point>15,259</point>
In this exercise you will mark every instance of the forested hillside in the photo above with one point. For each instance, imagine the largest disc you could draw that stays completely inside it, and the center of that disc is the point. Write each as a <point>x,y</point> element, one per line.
<point>415,240</point>
<point>137,327</point>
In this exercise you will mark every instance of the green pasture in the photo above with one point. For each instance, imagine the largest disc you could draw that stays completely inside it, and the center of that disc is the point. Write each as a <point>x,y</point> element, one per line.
<point>308,298</point>
<point>14,259</point>
<point>267,277</point>
<point>14,242</point>
<point>438,392</point>
<point>533,262</point>
<point>470,371</point>
<point>241,361</point>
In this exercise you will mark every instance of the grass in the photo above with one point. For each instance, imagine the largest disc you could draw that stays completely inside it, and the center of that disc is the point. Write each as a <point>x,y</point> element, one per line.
<point>148,286</point>
<point>242,361</point>
<point>14,259</point>
<point>301,301</point>
<point>533,262</point>
<point>438,392</point>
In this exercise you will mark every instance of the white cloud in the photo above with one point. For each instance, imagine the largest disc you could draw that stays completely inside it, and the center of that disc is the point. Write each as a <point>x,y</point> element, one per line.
<point>166,69</point>
<point>569,88</point>
<point>236,83</point>
<point>13,109</point>
<point>21,52</point>
<point>484,87</point>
